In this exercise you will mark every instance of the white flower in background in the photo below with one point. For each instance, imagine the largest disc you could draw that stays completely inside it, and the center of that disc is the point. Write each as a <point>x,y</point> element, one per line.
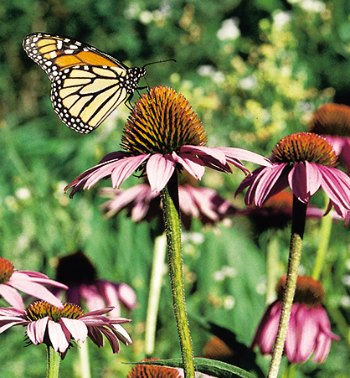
<point>310,5</point>
<point>280,19</point>
<point>23,194</point>
<point>248,83</point>
<point>209,71</point>
<point>229,30</point>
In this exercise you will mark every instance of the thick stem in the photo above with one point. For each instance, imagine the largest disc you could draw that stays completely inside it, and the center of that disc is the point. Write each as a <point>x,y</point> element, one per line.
<point>53,363</point>
<point>154,292</point>
<point>171,214</point>
<point>296,242</point>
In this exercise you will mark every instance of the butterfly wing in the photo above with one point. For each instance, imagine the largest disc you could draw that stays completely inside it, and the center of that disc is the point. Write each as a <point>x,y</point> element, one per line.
<point>86,84</point>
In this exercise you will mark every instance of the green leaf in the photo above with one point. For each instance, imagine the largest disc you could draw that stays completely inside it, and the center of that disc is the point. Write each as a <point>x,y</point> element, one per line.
<point>205,365</point>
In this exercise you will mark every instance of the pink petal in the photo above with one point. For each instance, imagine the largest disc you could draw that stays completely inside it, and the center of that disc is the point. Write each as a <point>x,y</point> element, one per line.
<point>42,279</point>
<point>307,330</point>
<point>11,296</point>
<point>187,204</point>
<point>36,290</point>
<point>269,182</point>
<point>267,330</point>
<point>336,185</point>
<point>109,294</point>
<point>241,154</point>
<point>192,165</point>
<point>36,330</point>
<point>215,153</point>
<point>159,170</point>
<point>122,334</point>
<point>127,295</point>
<point>77,328</point>
<point>112,338</point>
<point>322,349</point>
<point>124,168</point>
<point>11,322</point>
<point>57,337</point>
<point>92,296</point>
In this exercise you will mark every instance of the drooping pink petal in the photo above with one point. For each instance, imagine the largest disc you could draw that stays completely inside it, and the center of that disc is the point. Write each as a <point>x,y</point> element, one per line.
<point>159,170</point>
<point>202,151</point>
<point>36,290</point>
<point>187,204</point>
<point>322,349</point>
<point>336,184</point>
<point>269,183</point>
<point>124,168</point>
<point>57,337</point>
<point>36,330</point>
<point>127,295</point>
<point>93,298</point>
<point>96,336</point>
<point>12,311</point>
<point>122,334</point>
<point>292,339</point>
<point>42,279</point>
<point>241,154</point>
<point>12,296</point>
<point>8,322</point>
<point>192,165</point>
<point>307,333</point>
<point>109,293</point>
<point>77,328</point>
<point>297,182</point>
<point>267,330</point>
<point>112,338</point>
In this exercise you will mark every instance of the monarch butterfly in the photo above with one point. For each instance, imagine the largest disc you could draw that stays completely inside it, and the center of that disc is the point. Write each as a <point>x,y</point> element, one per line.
<point>86,83</point>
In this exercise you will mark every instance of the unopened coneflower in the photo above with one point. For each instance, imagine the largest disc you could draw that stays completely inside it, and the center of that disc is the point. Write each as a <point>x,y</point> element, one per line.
<point>304,162</point>
<point>86,289</point>
<point>156,371</point>
<point>164,136</point>
<point>309,332</point>
<point>27,281</point>
<point>143,204</point>
<point>333,122</point>
<point>59,327</point>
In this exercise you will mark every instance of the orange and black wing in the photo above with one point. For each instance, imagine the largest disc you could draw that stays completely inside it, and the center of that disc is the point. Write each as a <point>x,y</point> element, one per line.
<point>86,84</point>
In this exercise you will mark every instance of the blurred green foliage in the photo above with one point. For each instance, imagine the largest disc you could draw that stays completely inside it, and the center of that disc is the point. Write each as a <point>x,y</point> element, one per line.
<point>253,70</point>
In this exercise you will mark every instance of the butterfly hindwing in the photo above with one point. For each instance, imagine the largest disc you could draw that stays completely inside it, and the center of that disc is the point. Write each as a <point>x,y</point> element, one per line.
<point>86,84</point>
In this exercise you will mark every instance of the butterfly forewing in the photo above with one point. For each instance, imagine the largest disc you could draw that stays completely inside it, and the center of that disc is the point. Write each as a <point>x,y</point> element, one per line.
<point>86,84</point>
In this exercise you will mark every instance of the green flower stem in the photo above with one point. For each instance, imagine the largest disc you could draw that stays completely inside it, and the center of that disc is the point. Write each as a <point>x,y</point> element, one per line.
<point>154,292</point>
<point>272,268</point>
<point>323,240</point>
<point>53,363</point>
<point>171,215</point>
<point>85,370</point>
<point>296,242</point>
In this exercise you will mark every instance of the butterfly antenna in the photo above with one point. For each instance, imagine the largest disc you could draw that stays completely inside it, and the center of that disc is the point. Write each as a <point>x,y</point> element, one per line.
<point>159,61</point>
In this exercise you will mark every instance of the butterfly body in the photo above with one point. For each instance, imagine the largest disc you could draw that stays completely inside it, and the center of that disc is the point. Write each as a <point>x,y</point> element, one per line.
<point>87,85</point>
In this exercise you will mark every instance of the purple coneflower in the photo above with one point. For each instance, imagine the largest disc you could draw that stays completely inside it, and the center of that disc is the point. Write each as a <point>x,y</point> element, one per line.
<point>333,122</point>
<point>144,204</point>
<point>163,134</point>
<point>305,162</point>
<point>27,281</point>
<point>309,331</point>
<point>77,271</point>
<point>58,327</point>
